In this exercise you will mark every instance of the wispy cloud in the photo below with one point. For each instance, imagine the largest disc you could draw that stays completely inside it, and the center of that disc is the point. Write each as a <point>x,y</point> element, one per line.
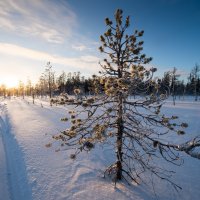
<point>52,21</point>
<point>86,64</point>
<point>79,47</point>
<point>181,73</point>
<point>163,69</point>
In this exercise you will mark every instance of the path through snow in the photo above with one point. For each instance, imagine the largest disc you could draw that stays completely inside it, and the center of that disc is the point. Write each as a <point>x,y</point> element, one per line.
<point>4,190</point>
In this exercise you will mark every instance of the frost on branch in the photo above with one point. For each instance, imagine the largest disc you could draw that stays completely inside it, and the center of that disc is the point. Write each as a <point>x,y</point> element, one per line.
<point>135,128</point>
<point>191,147</point>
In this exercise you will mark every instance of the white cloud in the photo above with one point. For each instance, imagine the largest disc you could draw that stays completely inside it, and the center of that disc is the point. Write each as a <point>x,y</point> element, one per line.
<point>5,23</point>
<point>79,47</point>
<point>86,64</point>
<point>50,20</point>
<point>181,73</point>
<point>178,71</point>
<point>89,59</point>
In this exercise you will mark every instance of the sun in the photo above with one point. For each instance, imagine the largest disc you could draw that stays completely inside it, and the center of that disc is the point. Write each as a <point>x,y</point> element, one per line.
<point>10,81</point>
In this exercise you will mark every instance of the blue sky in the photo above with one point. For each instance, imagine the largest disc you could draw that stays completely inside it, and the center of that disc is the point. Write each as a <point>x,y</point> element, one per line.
<point>66,32</point>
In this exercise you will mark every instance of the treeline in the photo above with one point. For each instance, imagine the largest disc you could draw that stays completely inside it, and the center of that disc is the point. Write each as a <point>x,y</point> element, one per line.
<point>51,85</point>
<point>177,87</point>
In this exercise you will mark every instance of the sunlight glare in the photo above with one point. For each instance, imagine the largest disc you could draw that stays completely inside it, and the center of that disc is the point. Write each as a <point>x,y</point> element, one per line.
<point>10,82</point>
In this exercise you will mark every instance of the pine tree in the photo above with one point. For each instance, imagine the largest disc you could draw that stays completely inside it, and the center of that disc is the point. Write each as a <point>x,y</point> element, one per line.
<point>49,76</point>
<point>21,89</point>
<point>195,77</point>
<point>3,90</point>
<point>61,81</point>
<point>166,83</point>
<point>136,129</point>
<point>174,79</point>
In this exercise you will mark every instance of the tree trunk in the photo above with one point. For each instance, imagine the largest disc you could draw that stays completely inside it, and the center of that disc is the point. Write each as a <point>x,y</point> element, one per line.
<point>174,93</point>
<point>195,90</point>
<point>119,139</point>
<point>33,97</point>
<point>50,90</point>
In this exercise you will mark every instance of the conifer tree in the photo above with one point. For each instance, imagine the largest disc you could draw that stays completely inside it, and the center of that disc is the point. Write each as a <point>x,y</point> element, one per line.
<point>195,76</point>
<point>61,81</point>
<point>50,78</point>
<point>136,129</point>
<point>174,81</point>
<point>21,89</point>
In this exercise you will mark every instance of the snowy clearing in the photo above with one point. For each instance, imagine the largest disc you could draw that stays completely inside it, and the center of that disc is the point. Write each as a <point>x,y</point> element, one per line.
<point>29,170</point>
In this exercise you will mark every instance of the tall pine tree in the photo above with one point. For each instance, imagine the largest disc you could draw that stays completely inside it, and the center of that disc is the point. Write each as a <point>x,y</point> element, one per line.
<point>136,129</point>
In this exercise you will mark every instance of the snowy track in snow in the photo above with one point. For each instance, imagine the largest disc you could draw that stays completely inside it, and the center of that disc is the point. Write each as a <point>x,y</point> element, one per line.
<point>16,170</point>
<point>4,189</point>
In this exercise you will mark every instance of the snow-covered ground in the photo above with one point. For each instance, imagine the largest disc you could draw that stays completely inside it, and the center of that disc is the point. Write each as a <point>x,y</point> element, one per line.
<point>4,190</point>
<point>29,170</point>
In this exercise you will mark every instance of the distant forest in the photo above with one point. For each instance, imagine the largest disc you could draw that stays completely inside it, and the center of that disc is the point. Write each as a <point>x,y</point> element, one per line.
<point>51,85</point>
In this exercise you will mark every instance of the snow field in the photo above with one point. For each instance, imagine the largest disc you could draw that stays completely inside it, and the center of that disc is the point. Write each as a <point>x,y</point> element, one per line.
<point>40,173</point>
